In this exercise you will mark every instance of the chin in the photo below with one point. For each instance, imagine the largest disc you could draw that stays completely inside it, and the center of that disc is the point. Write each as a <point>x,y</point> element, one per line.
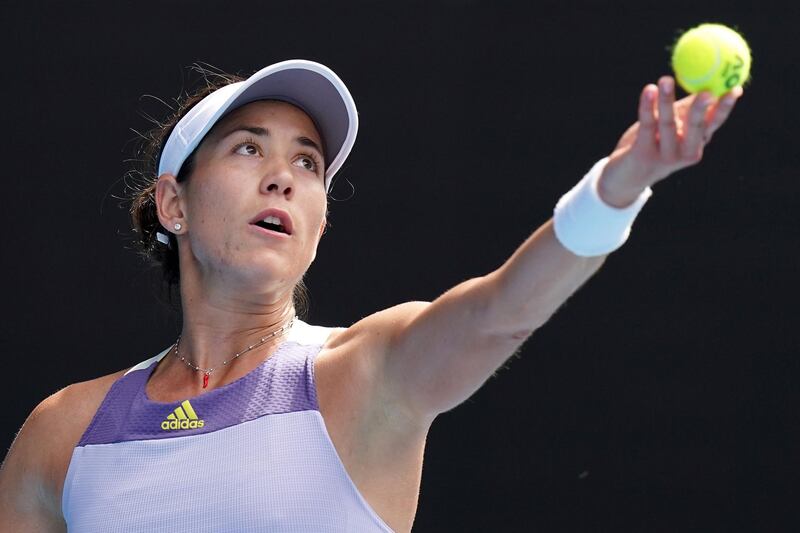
<point>267,276</point>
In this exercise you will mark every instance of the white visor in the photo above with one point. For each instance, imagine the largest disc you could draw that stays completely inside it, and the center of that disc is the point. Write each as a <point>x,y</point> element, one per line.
<point>312,87</point>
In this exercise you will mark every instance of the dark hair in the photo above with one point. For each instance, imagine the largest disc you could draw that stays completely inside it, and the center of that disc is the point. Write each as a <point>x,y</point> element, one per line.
<point>141,188</point>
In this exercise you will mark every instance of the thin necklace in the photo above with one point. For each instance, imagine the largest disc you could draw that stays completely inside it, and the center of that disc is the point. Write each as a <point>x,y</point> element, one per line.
<point>207,371</point>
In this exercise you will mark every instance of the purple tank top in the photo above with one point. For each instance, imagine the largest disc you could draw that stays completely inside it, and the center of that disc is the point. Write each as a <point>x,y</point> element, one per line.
<point>253,455</point>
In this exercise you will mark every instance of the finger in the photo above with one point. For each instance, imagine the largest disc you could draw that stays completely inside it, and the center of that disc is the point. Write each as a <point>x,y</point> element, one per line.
<point>667,130</point>
<point>647,116</point>
<point>723,110</point>
<point>694,137</point>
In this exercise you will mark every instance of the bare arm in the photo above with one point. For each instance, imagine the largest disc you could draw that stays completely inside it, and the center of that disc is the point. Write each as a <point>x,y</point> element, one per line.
<point>27,503</point>
<point>431,357</point>
<point>33,472</point>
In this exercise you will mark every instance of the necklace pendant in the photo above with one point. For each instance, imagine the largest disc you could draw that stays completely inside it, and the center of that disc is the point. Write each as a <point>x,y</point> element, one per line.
<point>205,380</point>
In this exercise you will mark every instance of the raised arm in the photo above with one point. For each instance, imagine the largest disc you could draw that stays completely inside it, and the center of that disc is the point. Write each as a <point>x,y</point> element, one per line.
<point>432,356</point>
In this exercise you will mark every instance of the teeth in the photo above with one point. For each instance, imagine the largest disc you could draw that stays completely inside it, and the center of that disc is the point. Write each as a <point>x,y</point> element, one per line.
<point>272,220</point>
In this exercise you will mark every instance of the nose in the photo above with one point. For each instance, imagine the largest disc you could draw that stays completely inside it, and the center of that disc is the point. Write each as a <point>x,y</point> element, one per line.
<point>278,179</point>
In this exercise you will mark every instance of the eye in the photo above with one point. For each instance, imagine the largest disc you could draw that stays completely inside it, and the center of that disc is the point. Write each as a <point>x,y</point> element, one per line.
<point>308,162</point>
<point>247,148</point>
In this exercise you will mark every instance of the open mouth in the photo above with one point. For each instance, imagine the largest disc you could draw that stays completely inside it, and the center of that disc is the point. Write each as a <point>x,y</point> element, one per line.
<point>272,223</point>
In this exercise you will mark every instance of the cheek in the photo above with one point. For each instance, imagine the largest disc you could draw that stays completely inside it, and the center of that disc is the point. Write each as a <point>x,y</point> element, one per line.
<point>319,219</point>
<point>210,223</point>
<point>315,218</point>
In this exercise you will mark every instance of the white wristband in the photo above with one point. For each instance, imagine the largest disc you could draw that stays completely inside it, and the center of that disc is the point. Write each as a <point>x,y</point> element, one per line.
<point>586,225</point>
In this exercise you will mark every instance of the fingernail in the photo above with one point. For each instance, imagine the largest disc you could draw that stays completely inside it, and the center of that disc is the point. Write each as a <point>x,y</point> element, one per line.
<point>666,86</point>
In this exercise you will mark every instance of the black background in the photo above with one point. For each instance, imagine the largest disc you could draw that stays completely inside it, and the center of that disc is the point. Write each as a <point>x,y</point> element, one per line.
<point>661,397</point>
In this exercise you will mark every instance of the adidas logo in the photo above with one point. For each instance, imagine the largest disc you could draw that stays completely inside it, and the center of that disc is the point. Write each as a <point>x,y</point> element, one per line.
<point>183,417</point>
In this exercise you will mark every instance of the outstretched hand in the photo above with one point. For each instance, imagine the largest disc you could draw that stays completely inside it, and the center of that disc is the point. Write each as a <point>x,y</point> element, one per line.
<point>668,136</point>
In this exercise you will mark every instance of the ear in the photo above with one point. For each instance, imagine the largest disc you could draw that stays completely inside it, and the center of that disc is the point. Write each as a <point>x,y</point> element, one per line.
<point>169,205</point>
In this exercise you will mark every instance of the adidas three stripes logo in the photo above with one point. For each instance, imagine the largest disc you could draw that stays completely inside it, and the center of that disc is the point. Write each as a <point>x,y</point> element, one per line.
<point>183,417</point>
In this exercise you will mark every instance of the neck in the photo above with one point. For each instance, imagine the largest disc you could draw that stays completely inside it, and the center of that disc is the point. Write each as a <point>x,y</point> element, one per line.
<point>217,326</point>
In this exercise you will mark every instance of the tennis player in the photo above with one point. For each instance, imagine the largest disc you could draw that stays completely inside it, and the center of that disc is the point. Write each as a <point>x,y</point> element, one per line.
<point>254,420</point>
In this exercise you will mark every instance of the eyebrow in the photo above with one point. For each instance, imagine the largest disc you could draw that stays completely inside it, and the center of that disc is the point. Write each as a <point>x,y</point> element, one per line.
<point>264,132</point>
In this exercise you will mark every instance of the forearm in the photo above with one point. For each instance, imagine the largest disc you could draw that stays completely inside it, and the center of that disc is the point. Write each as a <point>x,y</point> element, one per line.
<point>484,320</point>
<point>442,352</point>
<point>590,221</point>
<point>492,315</point>
<point>535,281</point>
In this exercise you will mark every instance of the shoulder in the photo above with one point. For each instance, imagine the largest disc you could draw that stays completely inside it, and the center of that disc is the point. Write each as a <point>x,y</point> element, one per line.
<point>379,329</point>
<point>67,413</point>
<point>363,348</point>
<point>33,471</point>
<point>55,425</point>
<point>357,356</point>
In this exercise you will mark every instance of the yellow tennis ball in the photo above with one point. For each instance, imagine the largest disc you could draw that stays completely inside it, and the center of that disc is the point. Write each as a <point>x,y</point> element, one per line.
<point>711,57</point>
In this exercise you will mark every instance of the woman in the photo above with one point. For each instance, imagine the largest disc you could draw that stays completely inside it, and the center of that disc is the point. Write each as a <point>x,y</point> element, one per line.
<point>256,421</point>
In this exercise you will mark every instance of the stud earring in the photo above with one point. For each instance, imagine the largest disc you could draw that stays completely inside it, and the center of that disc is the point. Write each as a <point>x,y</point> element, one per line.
<point>177,226</point>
